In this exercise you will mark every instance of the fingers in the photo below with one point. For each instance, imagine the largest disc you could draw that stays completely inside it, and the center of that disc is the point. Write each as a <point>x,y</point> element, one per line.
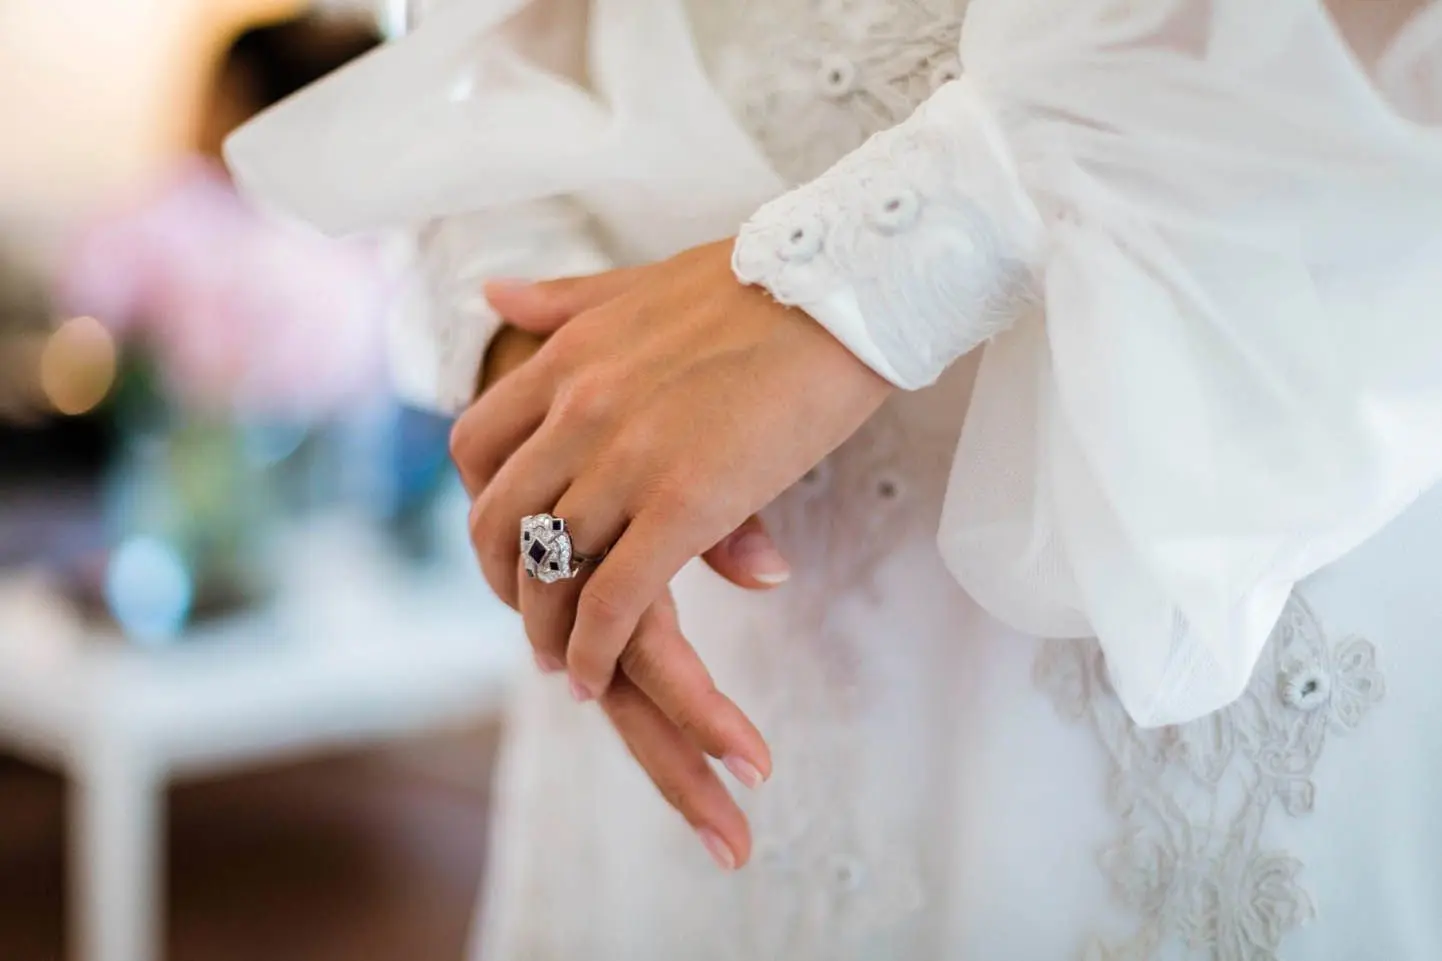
<point>636,571</point>
<point>681,772</point>
<point>544,308</point>
<point>490,431</point>
<point>532,481</point>
<point>494,427</point>
<point>664,666</point>
<point>749,558</point>
<point>549,610</point>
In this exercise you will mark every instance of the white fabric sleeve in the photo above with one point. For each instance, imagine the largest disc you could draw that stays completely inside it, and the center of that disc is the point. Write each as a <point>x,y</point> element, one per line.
<point>442,324</point>
<point>419,140</point>
<point>913,250</point>
<point>1234,231</point>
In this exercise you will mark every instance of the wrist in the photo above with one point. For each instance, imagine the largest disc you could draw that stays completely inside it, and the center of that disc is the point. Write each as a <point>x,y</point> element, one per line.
<point>914,250</point>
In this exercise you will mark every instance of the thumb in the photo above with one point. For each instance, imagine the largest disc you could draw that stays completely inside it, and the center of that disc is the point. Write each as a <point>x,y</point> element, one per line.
<point>544,307</point>
<point>749,558</point>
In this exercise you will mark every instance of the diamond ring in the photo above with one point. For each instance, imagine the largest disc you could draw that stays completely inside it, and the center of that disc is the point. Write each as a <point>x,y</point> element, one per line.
<point>547,550</point>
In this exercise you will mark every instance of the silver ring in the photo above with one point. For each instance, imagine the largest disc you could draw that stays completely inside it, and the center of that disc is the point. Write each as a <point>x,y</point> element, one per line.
<point>547,550</point>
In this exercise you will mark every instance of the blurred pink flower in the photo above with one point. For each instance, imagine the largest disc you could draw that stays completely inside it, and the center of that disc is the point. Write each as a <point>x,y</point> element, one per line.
<point>242,313</point>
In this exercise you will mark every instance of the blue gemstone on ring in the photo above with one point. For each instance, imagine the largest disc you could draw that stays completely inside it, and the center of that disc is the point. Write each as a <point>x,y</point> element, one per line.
<point>538,552</point>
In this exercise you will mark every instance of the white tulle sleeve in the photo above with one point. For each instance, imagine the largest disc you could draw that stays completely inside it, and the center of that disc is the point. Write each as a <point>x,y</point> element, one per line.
<point>419,140</point>
<point>1204,243</point>
<point>514,138</point>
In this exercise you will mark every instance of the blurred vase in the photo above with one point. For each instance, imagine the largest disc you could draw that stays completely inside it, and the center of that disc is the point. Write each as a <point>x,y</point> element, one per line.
<point>192,508</point>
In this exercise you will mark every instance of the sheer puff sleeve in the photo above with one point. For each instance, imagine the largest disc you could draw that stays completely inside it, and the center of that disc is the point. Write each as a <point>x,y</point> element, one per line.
<point>508,139</point>
<point>1203,245</point>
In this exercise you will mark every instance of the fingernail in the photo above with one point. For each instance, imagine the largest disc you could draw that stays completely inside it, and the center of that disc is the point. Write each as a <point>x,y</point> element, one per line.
<point>760,558</point>
<point>720,852</point>
<point>744,771</point>
<point>580,693</point>
<point>549,664</point>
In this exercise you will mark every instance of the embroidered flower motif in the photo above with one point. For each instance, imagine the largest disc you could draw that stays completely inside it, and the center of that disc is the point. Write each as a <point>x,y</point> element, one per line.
<point>1144,869</point>
<point>1270,902</point>
<point>803,242</point>
<point>837,76</point>
<point>1193,800</point>
<point>1357,684</point>
<point>896,210</point>
<point>1307,689</point>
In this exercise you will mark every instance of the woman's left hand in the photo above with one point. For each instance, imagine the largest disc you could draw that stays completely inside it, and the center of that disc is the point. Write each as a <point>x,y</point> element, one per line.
<point>672,404</point>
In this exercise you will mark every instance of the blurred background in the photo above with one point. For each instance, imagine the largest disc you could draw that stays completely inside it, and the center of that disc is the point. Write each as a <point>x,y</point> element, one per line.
<point>249,677</point>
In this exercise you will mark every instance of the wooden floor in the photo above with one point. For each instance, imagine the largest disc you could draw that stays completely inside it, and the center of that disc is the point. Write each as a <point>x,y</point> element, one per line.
<point>375,858</point>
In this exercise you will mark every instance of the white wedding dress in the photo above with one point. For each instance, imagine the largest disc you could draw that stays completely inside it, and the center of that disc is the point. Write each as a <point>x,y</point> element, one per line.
<point>948,787</point>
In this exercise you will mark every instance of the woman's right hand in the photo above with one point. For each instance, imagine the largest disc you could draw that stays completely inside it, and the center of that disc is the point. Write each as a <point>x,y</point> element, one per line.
<point>664,704</point>
<point>747,558</point>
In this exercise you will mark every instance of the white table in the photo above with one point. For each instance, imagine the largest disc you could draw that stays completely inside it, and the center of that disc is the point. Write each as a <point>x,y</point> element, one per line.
<point>358,650</point>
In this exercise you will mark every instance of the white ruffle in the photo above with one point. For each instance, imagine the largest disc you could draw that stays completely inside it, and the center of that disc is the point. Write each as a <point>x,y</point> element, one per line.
<point>458,137</point>
<point>1239,375</point>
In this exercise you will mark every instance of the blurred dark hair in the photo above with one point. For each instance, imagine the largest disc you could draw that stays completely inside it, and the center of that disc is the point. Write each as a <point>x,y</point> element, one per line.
<point>282,59</point>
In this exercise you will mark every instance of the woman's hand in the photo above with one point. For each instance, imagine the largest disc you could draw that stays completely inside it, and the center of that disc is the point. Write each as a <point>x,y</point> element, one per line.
<point>747,557</point>
<point>664,704</point>
<point>673,404</point>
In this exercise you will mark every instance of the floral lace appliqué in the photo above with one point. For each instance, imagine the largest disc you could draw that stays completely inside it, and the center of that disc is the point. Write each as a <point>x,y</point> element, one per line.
<point>1193,800</point>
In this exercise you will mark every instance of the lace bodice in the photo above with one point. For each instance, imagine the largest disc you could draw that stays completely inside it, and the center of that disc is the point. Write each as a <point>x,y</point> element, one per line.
<point>812,79</point>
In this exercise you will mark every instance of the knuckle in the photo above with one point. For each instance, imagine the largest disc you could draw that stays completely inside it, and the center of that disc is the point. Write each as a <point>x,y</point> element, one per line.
<point>671,496</point>
<point>690,724</point>
<point>572,340</point>
<point>680,785</point>
<point>481,522</point>
<point>588,663</point>
<point>473,520</point>
<point>459,442</point>
<point>600,605</point>
<point>477,522</point>
<point>674,792</point>
<point>585,400</point>
<point>694,719</point>
<point>641,661</point>
<point>626,711</point>
<point>490,542</point>
<point>629,446</point>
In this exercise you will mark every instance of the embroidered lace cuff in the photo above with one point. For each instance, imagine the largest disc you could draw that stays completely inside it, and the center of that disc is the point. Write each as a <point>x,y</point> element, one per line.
<point>913,250</point>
